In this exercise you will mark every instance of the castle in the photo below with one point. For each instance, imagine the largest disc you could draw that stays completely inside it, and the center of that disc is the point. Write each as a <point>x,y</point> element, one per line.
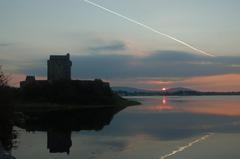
<point>59,69</point>
<point>60,89</point>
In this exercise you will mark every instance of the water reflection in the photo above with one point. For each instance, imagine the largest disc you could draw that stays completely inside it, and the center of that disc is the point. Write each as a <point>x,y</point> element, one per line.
<point>60,124</point>
<point>59,141</point>
<point>164,100</point>
<point>155,128</point>
<point>201,105</point>
<point>164,106</point>
<point>171,118</point>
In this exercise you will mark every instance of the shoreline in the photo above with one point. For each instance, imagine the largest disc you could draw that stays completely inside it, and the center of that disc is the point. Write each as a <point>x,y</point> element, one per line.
<point>204,95</point>
<point>45,107</point>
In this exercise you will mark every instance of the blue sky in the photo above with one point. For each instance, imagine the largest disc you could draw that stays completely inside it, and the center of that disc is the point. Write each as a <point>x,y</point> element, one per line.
<point>31,30</point>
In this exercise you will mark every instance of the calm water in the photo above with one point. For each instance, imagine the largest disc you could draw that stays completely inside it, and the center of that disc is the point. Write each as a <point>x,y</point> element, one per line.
<point>204,128</point>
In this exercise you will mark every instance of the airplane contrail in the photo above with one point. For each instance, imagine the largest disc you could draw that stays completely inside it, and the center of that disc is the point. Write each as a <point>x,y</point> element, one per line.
<point>149,28</point>
<point>180,149</point>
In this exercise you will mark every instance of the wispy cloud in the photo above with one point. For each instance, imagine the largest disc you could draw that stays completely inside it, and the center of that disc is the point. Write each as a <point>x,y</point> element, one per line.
<point>112,46</point>
<point>156,82</point>
<point>6,44</point>
<point>116,45</point>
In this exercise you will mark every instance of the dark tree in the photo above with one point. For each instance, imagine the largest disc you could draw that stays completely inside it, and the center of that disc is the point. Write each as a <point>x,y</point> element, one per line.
<point>6,113</point>
<point>5,90</point>
<point>3,78</point>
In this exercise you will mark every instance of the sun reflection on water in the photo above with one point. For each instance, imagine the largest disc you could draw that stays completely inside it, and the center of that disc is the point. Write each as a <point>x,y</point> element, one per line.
<point>228,107</point>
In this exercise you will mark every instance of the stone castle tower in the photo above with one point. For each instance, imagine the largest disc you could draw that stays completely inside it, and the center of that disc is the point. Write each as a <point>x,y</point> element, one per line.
<point>59,67</point>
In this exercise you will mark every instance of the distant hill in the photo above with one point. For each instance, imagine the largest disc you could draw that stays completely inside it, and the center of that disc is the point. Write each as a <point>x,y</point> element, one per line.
<point>129,89</point>
<point>178,91</point>
<point>137,90</point>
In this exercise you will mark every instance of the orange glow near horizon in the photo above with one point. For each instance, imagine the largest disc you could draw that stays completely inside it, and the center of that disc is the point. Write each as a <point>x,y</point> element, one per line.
<point>156,82</point>
<point>226,82</point>
<point>221,83</point>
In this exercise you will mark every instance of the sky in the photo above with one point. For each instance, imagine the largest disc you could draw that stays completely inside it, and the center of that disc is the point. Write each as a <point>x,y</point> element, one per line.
<point>106,46</point>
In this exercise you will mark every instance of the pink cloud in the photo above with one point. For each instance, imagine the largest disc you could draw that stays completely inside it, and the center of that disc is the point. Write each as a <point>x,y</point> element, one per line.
<point>156,82</point>
<point>225,82</point>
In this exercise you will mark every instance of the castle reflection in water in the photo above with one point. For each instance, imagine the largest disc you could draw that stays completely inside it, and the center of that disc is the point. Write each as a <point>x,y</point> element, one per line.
<point>59,125</point>
<point>59,141</point>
